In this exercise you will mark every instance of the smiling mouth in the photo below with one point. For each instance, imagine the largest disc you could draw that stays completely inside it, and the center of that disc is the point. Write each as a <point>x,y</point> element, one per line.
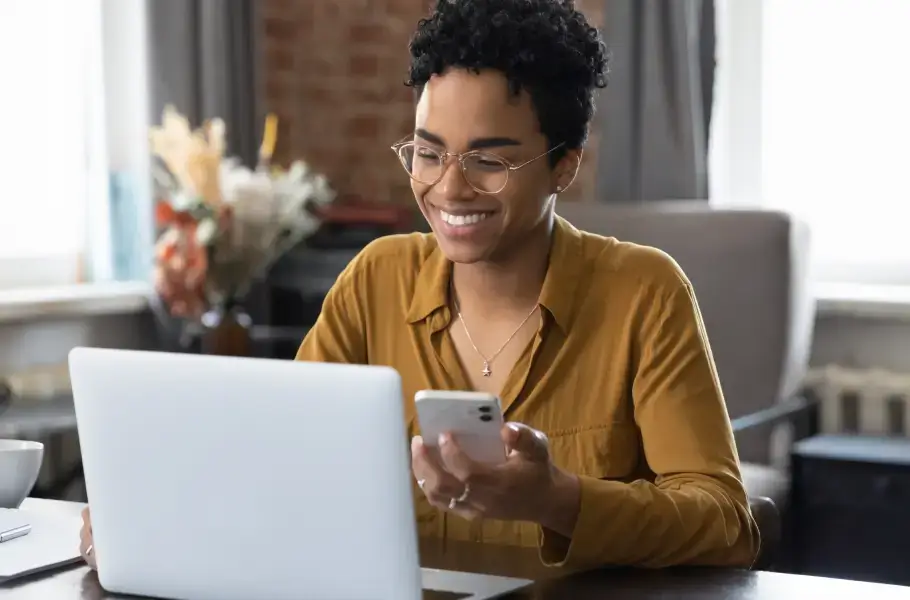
<point>463,220</point>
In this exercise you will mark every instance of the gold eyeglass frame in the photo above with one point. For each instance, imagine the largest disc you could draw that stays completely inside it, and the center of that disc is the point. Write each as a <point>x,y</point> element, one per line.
<point>444,156</point>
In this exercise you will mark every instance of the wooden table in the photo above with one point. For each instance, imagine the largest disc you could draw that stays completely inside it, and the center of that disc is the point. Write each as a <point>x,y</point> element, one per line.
<point>79,583</point>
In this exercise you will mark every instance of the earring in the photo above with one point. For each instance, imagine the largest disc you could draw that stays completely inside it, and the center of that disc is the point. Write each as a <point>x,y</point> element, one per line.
<point>558,189</point>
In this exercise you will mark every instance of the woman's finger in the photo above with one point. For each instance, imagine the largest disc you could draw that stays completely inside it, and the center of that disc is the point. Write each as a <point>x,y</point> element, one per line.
<point>87,549</point>
<point>86,540</point>
<point>438,486</point>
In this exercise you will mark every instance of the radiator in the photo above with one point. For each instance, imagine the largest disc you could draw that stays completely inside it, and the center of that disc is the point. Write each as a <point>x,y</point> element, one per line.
<point>861,401</point>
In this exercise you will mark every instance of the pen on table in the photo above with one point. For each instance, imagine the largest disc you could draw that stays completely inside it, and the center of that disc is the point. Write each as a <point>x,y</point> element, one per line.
<point>12,534</point>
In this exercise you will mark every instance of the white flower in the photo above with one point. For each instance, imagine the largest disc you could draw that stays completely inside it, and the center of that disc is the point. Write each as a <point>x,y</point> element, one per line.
<point>206,232</point>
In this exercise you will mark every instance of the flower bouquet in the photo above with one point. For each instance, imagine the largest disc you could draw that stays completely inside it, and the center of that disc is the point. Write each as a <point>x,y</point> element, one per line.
<point>222,225</point>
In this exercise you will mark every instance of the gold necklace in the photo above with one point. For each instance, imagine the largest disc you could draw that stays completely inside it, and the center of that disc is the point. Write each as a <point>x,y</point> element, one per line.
<point>487,371</point>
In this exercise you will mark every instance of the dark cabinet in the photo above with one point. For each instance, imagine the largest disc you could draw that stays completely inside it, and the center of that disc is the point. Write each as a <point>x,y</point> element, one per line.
<point>851,508</point>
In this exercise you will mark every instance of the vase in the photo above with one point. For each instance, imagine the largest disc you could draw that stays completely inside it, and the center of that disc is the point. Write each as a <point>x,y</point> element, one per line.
<point>227,330</point>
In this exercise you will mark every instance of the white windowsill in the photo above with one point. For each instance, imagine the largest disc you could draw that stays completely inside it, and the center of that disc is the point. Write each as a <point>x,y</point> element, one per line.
<point>864,300</point>
<point>856,300</point>
<point>74,300</point>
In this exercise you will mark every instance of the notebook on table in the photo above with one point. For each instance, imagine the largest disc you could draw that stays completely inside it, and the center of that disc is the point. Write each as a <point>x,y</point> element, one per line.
<point>52,542</point>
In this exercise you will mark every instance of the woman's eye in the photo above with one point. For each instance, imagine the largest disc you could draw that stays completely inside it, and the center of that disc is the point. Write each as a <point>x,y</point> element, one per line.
<point>427,153</point>
<point>489,163</point>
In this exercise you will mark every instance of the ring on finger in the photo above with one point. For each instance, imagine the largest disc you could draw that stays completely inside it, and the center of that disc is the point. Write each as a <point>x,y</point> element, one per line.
<point>464,496</point>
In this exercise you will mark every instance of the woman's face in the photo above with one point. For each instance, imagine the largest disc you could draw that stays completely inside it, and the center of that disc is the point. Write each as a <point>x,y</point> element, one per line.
<point>460,111</point>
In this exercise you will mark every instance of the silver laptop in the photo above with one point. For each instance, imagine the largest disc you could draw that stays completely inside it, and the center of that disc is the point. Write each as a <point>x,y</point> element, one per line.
<point>229,478</point>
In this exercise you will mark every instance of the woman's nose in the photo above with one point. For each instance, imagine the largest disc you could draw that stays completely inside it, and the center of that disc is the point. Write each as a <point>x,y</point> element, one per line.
<point>453,185</point>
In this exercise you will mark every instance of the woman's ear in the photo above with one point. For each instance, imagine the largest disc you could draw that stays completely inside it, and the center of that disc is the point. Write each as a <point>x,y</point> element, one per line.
<point>567,170</point>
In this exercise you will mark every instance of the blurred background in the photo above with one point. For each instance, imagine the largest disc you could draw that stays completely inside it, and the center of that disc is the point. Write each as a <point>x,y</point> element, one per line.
<point>764,143</point>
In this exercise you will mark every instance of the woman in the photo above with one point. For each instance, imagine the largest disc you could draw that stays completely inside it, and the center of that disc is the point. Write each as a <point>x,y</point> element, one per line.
<point>621,450</point>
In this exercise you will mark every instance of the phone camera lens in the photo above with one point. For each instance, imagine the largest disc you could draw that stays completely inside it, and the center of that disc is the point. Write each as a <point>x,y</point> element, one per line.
<point>486,418</point>
<point>485,409</point>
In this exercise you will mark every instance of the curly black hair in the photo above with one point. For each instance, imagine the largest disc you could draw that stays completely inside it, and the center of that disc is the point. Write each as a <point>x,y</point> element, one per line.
<point>545,47</point>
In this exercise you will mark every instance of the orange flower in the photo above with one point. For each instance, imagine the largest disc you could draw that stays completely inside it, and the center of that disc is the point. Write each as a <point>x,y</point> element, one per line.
<point>164,213</point>
<point>181,264</point>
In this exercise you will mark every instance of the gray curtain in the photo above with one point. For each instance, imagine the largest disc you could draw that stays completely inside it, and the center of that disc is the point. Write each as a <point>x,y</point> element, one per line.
<point>655,112</point>
<point>203,60</point>
<point>202,56</point>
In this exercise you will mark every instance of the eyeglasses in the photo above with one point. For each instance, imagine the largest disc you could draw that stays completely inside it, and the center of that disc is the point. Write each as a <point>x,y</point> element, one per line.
<point>485,172</point>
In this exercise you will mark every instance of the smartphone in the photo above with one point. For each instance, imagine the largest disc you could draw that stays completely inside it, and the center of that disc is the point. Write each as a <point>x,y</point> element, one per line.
<point>473,418</point>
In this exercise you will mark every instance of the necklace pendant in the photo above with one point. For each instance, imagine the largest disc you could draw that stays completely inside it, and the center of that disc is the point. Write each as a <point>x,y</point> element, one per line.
<point>486,369</point>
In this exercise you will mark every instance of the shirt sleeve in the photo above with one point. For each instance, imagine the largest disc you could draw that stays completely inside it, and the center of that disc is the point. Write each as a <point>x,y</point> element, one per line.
<point>339,334</point>
<point>696,511</point>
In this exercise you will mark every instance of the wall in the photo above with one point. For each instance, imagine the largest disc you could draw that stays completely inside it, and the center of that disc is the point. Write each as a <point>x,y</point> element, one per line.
<point>46,342</point>
<point>334,72</point>
<point>862,342</point>
<point>840,339</point>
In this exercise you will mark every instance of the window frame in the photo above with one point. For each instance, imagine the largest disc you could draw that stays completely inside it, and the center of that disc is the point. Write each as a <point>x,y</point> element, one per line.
<point>739,147</point>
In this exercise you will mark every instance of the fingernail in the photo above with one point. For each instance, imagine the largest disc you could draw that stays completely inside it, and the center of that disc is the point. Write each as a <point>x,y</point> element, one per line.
<point>513,427</point>
<point>443,439</point>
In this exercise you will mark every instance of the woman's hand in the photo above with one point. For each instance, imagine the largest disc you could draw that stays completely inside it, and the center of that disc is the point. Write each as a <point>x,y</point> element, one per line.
<point>86,542</point>
<point>526,487</point>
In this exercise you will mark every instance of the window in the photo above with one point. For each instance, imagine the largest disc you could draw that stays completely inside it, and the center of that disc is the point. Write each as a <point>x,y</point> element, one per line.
<point>46,58</point>
<point>813,117</point>
<point>75,116</point>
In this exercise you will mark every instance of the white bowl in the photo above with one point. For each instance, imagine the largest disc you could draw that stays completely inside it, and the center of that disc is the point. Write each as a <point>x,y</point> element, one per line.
<point>20,463</point>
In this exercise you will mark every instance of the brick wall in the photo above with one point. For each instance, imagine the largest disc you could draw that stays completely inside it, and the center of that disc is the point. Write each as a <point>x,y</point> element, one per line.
<point>333,71</point>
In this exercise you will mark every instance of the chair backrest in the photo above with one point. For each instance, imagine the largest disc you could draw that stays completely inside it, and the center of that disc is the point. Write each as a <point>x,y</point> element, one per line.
<point>749,271</point>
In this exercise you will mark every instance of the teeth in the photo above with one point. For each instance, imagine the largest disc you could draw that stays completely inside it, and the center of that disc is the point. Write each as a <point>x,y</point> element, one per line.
<point>461,220</point>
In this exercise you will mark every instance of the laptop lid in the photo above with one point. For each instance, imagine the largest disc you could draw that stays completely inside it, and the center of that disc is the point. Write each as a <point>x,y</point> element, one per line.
<point>243,478</point>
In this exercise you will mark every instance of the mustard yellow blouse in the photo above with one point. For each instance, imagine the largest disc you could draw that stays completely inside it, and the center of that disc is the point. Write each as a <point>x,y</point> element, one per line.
<point>620,377</point>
